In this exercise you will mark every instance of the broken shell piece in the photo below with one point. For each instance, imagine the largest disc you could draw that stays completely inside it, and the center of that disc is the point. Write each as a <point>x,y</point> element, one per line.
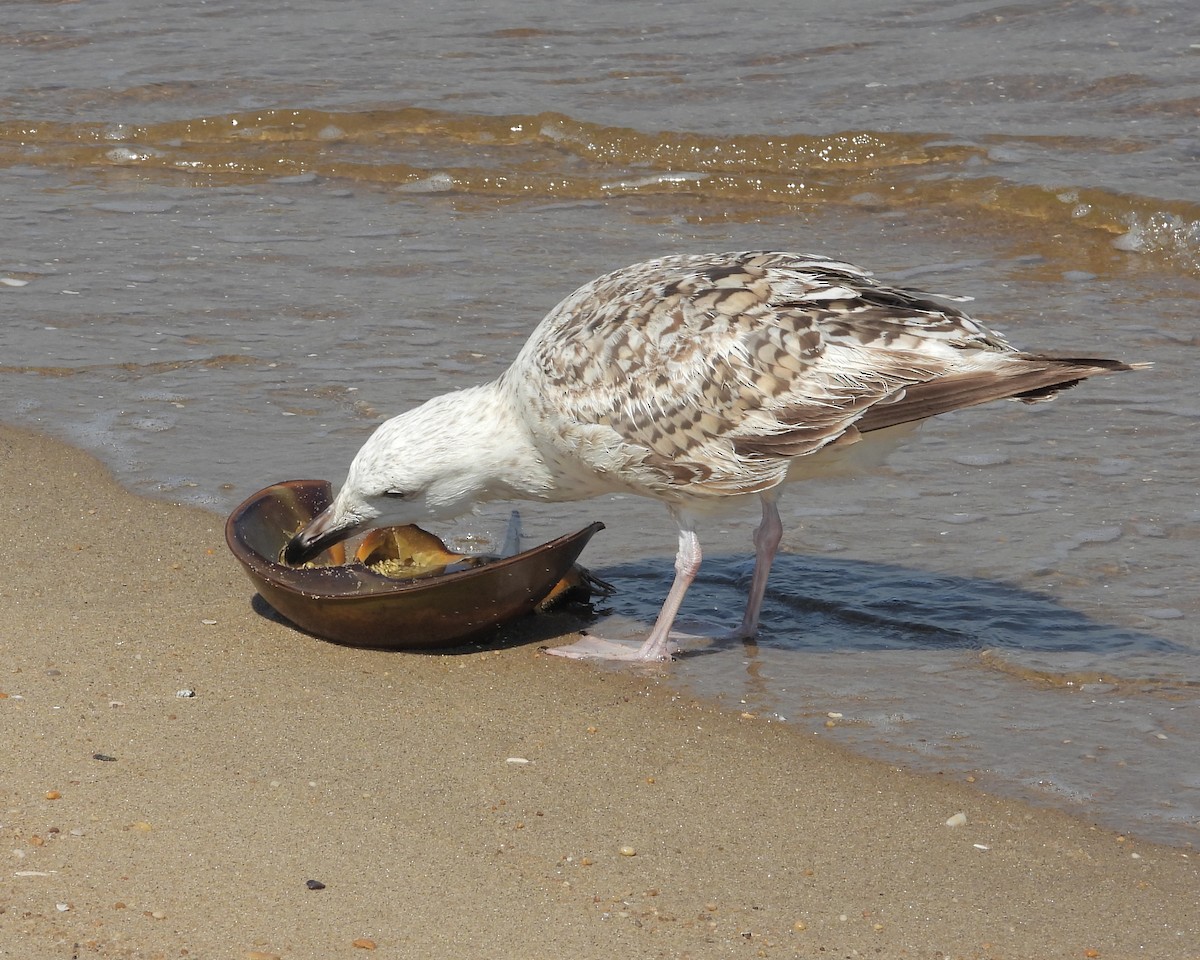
<point>578,585</point>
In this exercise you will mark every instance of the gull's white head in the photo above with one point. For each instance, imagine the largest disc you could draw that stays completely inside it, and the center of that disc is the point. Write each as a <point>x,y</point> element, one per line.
<point>416,467</point>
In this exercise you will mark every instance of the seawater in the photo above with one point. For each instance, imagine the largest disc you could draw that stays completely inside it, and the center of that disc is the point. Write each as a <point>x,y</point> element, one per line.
<point>232,241</point>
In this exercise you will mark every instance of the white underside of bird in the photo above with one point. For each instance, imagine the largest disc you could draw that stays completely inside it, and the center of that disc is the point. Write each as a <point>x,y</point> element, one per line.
<point>697,381</point>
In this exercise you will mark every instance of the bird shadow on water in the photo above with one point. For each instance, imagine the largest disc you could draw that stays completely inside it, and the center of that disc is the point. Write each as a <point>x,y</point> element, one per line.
<point>822,604</point>
<point>830,605</point>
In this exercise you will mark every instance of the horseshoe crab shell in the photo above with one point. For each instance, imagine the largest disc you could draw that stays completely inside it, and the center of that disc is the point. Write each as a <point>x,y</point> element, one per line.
<point>452,599</point>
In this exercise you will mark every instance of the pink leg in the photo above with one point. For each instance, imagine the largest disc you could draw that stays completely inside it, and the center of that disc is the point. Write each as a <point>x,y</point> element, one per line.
<point>766,543</point>
<point>658,645</point>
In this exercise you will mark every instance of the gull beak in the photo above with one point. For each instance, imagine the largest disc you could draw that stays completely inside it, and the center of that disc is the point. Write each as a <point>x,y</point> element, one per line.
<point>321,532</point>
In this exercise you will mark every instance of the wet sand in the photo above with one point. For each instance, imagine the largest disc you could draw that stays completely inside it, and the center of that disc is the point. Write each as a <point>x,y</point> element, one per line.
<point>138,823</point>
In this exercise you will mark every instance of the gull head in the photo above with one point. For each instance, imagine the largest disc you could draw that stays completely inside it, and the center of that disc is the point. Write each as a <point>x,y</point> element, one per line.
<point>412,469</point>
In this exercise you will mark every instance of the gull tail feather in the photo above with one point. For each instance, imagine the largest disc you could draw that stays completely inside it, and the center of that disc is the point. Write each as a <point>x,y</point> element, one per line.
<point>1027,378</point>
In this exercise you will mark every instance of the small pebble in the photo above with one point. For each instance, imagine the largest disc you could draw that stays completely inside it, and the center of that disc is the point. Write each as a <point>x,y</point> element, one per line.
<point>958,820</point>
<point>520,761</point>
<point>103,756</point>
<point>53,795</point>
<point>185,694</point>
<point>626,850</point>
<point>62,907</point>
<point>364,943</point>
<point>314,884</point>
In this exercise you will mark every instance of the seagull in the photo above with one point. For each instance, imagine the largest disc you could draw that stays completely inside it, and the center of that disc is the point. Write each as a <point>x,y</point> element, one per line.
<point>698,381</point>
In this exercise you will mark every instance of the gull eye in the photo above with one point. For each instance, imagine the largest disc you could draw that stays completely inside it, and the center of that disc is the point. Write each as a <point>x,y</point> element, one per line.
<point>395,494</point>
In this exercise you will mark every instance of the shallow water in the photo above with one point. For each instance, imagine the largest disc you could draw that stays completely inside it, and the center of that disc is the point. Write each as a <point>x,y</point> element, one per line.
<point>231,242</point>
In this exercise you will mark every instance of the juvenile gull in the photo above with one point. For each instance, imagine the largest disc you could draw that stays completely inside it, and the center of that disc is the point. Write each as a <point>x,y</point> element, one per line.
<point>697,381</point>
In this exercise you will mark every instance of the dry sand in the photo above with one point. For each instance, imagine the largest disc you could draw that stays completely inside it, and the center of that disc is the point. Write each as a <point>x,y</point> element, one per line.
<point>386,777</point>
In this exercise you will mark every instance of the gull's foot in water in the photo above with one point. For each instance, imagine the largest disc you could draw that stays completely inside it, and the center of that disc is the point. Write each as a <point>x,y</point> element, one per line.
<point>693,632</point>
<point>741,634</point>
<point>597,648</point>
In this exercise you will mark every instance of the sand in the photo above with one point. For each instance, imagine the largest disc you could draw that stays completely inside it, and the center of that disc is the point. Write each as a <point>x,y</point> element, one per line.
<point>387,777</point>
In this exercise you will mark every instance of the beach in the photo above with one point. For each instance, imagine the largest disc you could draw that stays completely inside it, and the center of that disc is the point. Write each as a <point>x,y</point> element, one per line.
<point>185,776</point>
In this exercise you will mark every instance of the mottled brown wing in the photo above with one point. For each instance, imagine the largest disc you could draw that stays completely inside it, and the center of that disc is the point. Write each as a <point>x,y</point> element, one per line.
<point>714,372</point>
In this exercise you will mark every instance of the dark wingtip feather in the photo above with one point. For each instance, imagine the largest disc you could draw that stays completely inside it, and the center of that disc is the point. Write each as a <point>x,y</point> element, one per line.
<point>1030,379</point>
<point>1088,366</point>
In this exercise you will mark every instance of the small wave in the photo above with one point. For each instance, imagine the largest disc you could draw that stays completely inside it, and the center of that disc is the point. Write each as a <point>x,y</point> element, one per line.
<point>1164,233</point>
<point>552,156</point>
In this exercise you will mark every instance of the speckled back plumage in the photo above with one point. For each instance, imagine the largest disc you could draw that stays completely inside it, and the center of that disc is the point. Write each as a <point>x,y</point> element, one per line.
<point>695,381</point>
<point>704,376</point>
